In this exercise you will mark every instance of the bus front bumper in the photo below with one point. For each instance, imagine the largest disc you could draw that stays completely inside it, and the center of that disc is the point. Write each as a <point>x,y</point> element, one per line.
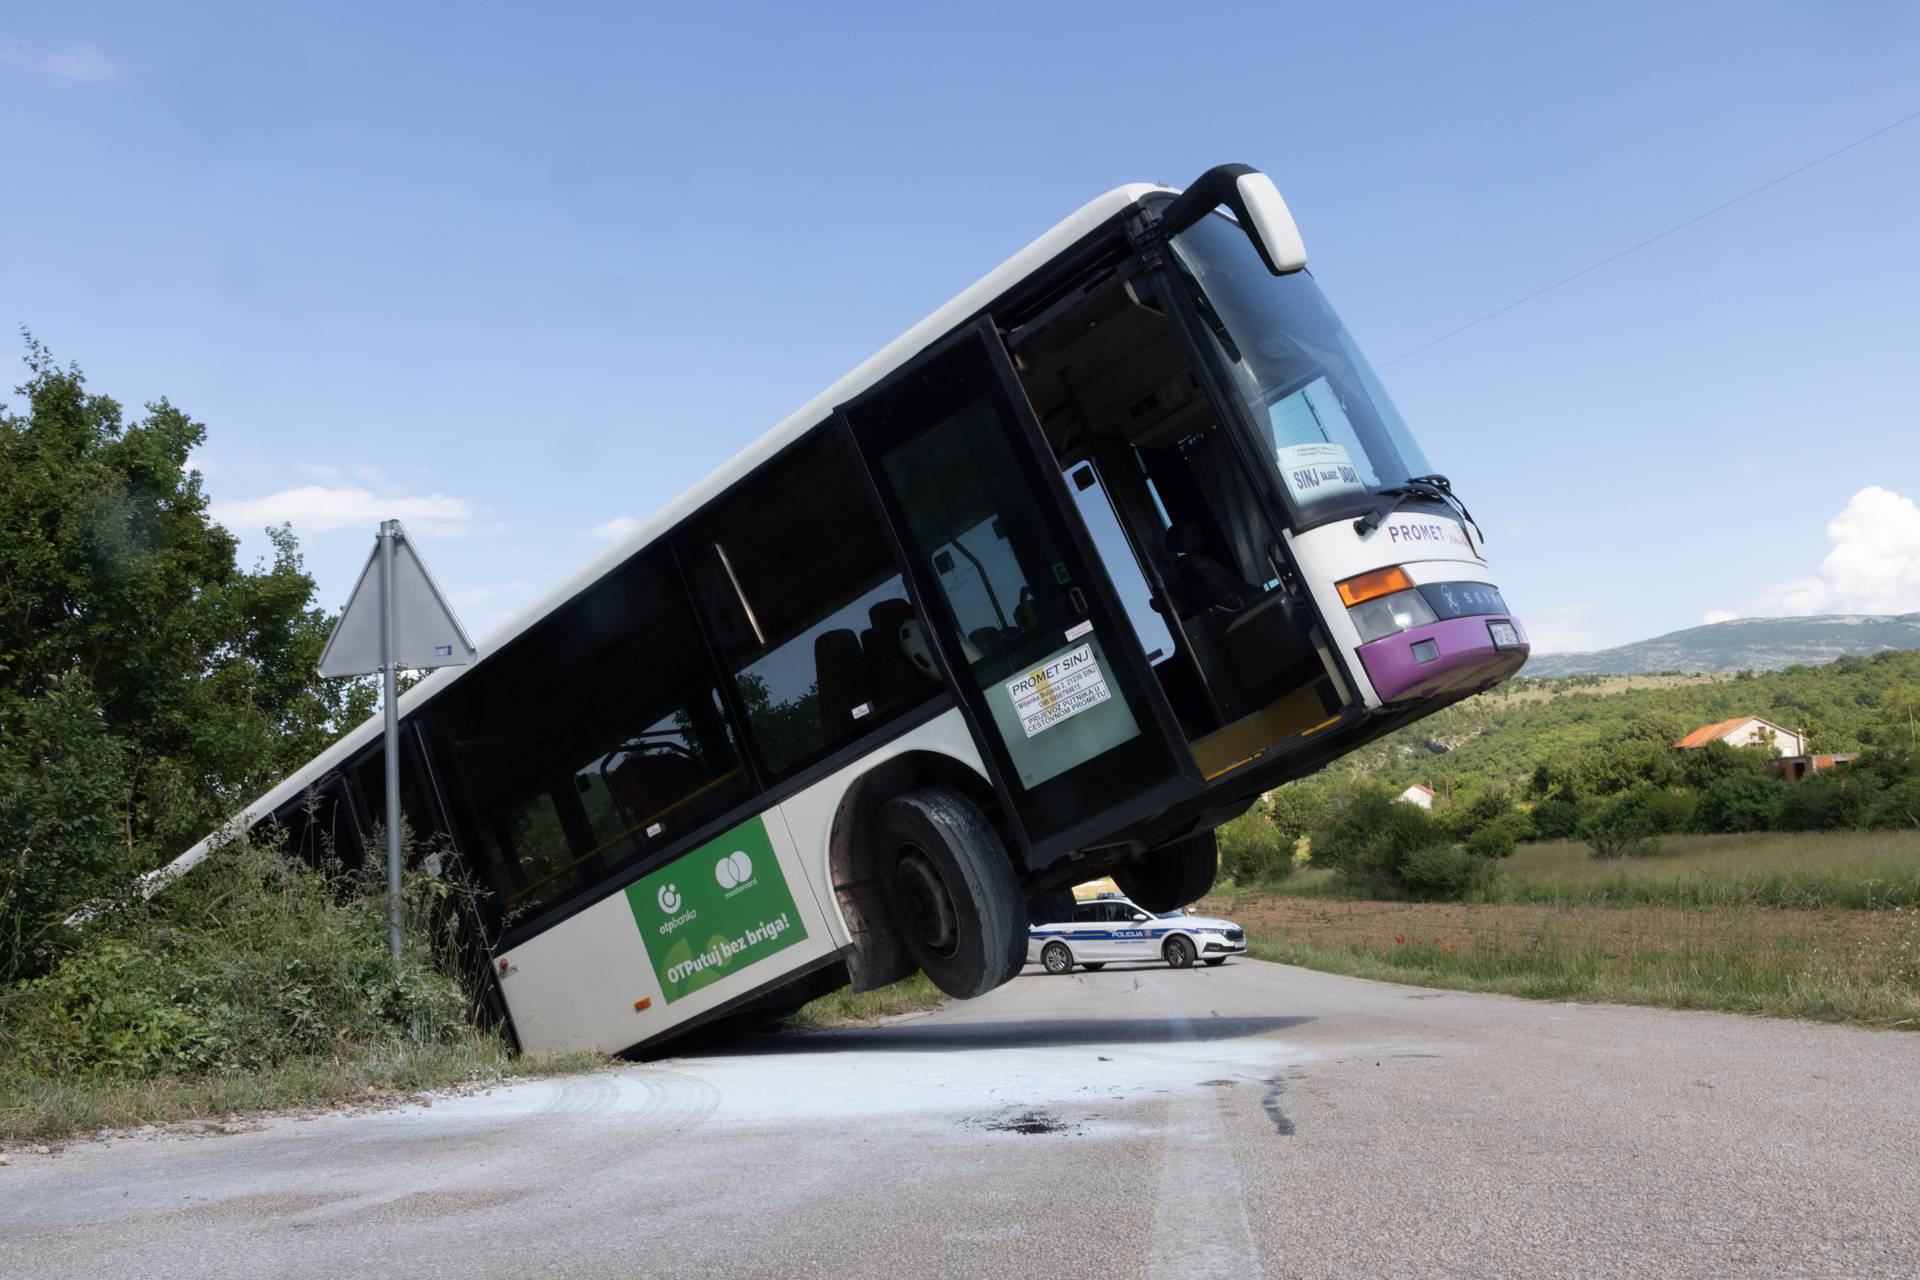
<point>1445,657</point>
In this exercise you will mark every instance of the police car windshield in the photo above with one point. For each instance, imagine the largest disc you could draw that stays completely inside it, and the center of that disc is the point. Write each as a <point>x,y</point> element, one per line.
<point>1172,915</point>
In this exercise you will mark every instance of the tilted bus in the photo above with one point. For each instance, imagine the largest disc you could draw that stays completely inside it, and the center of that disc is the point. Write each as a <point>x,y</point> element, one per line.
<point>1123,536</point>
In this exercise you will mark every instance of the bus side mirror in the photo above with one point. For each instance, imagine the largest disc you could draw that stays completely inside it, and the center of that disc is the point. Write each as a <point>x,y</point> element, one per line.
<point>1255,202</point>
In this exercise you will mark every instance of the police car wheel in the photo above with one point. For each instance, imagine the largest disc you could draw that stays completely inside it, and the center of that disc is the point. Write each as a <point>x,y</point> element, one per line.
<point>952,890</point>
<point>1179,953</point>
<point>1057,958</point>
<point>1213,960</point>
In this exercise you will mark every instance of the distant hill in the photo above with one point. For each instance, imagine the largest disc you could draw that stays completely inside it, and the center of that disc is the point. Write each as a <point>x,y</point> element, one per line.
<point>1745,644</point>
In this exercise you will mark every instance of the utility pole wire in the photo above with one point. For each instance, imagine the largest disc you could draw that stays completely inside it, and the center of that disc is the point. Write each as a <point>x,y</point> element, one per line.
<point>1678,226</point>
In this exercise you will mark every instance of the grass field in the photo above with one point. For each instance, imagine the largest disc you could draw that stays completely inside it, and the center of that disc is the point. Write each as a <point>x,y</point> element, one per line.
<point>1855,870</point>
<point>1821,925</point>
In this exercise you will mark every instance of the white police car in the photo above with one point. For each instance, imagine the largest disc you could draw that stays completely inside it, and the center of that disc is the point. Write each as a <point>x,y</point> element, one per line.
<point>1109,929</point>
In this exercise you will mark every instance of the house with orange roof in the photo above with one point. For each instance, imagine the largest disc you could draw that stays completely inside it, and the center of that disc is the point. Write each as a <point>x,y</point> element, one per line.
<point>1747,731</point>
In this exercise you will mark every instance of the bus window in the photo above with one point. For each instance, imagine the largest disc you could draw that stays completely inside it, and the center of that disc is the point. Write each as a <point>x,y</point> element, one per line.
<point>418,825</point>
<point>594,739</point>
<point>317,828</point>
<point>800,588</point>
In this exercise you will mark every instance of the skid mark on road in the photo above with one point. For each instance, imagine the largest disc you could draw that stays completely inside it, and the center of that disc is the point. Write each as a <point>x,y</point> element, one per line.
<point>1200,1216</point>
<point>1271,1103</point>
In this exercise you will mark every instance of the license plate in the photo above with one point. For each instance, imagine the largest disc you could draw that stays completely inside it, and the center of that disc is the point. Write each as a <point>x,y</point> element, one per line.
<point>1505,635</point>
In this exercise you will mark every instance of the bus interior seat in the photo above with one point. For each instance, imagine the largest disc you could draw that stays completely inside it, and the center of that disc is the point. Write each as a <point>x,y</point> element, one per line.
<point>841,669</point>
<point>895,678</point>
<point>1207,582</point>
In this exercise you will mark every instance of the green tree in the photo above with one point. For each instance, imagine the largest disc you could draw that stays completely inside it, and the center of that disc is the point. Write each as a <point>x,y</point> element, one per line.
<point>1624,826</point>
<point>148,683</point>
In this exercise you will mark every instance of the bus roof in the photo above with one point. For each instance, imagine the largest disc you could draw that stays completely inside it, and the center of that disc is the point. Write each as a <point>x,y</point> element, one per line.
<point>1083,222</point>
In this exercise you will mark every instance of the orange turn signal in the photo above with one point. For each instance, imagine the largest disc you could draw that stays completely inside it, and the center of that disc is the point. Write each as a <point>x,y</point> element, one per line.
<point>1370,586</point>
<point>643,1003</point>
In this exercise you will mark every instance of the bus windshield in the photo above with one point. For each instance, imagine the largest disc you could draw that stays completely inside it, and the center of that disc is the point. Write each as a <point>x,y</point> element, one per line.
<point>1334,434</point>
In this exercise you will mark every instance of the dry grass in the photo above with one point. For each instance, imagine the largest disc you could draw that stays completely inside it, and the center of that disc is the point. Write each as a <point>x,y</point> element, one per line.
<point>1836,965</point>
<point>1861,870</point>
<point>847,1008</point>
<point>40,1109</point>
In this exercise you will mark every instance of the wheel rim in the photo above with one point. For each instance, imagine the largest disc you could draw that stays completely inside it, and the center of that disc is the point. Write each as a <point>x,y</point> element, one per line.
<point>926,905</point>
<point>1179,953</point>
<point>1056,959</point>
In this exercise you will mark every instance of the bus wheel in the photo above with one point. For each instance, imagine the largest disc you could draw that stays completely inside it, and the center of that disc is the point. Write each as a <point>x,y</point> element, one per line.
<point>1056,958</point>
<point>952,890</point>
<point>1173,875</point>
<point>1179,953</point>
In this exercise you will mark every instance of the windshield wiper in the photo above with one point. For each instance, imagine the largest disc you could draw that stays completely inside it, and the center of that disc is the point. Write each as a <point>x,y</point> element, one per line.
<point>1434,488</point>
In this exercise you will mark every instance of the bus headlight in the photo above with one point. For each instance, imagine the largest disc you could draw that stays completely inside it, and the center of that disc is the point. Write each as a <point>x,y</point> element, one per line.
<point>1389,615</point>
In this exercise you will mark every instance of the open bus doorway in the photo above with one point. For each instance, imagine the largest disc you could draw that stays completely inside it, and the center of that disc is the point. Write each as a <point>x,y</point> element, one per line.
<point>1167,499</point>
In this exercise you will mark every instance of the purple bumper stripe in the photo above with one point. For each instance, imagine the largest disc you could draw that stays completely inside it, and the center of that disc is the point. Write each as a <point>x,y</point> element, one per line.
<point>1466,659</point>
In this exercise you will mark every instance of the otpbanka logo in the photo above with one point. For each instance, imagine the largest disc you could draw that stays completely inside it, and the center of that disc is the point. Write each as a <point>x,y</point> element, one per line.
<point>734,872</point>
<point>670,900</point>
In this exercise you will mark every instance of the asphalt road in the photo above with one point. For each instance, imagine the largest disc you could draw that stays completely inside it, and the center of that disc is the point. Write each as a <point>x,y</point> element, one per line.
<point>1210,1123</point>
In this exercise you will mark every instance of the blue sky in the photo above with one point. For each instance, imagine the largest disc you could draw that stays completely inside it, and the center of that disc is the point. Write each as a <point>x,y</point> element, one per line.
<point>513,274</point>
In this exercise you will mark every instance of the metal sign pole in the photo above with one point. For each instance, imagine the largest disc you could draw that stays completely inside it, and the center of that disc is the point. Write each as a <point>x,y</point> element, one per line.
<point>389,533</point>
<point>412,624</point>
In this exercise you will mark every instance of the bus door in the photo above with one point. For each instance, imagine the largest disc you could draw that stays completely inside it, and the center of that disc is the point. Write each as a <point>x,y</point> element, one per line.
<point>1025,622</point>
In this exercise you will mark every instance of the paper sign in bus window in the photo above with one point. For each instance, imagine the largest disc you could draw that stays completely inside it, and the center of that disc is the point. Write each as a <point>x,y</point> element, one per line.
<point>1315,472</point>
<point>1066,686</point>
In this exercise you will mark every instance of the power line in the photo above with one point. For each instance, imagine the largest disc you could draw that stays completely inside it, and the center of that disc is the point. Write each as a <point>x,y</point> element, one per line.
<point>1678,226</point>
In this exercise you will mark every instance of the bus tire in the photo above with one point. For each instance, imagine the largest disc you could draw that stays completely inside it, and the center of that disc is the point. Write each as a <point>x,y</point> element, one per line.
<point>1179,953</point>
<point>952,891</point>
<point>1173,875</point>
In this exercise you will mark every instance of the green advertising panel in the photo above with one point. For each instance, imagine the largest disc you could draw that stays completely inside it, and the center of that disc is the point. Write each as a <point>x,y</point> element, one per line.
<point>715,910</point>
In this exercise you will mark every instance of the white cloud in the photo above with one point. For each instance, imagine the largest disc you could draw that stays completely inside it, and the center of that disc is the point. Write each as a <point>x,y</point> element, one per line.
<point>81,64</point>
<point>1719,615</point>
<point>1873,567</point>
<point>615,529</point>
<point>318,509</point>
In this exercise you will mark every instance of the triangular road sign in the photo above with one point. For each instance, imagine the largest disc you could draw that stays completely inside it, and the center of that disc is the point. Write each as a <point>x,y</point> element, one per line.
<point>425,632</point>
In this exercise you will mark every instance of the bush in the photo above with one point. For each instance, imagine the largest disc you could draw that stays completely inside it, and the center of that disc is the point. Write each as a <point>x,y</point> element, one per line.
<point>1742,802</point>
<point>1897,806</point>
<point>64,793</point>
<point>249,961</point>
<point>1623,827</point>
<point>1443,872</point>
<point>1673,810</point>
<point>1823,802</point>
<point>1557,817</point>
<point>1473,812</point>
<point>1497,839</point>
<point>1387,848</point>
<point>1253,849</point>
